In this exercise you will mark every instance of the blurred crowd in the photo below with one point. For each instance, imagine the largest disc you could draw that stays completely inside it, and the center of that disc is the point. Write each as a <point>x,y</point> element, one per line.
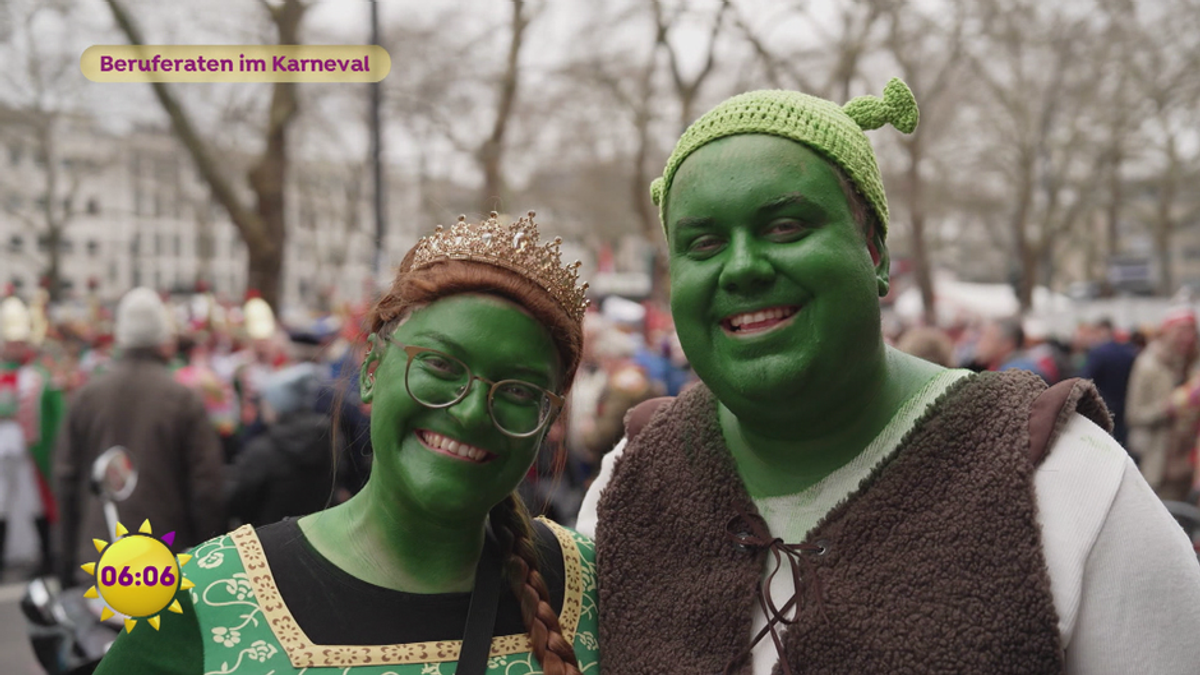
<point>1149,377</point>
<point>285,433</point>
<point>281,428</point>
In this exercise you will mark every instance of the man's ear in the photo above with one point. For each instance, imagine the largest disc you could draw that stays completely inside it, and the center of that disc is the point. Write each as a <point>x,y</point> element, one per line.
<point>881,260</point>
<point>366,376</point>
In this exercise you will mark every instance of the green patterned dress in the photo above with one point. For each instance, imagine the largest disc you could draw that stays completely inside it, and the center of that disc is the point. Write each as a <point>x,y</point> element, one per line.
<point>235,622</point>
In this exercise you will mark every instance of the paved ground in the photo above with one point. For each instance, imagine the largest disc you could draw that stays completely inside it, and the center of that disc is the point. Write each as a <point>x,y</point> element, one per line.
<point>16,658</point>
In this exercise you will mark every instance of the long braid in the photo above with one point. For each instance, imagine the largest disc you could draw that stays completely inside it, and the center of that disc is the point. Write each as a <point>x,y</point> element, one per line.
<point>514,530</point>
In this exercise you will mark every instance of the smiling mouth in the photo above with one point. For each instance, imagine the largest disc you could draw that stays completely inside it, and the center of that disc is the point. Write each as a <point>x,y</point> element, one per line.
<point>444,445</point>
<point>761,321</point>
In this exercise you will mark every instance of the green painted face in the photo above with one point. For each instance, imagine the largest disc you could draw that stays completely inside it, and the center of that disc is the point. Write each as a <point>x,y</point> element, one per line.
<point>414,460</point>
<point>774,291</point>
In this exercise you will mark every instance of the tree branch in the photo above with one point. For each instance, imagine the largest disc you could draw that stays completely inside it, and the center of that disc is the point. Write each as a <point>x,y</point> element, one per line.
<point>242,217</point>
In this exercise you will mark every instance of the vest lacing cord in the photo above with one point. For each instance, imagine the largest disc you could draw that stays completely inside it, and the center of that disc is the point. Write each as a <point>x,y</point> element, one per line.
<point>750,533</point>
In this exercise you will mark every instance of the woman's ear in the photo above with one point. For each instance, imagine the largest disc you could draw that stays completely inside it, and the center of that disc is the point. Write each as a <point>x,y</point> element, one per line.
<point>366,376</point>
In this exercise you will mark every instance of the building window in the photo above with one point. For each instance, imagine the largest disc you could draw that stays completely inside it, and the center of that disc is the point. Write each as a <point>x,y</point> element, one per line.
<point>66,245</point>
<point>43,243</point>
<point>178,245</point>
<point>204,245</point>
<point>93,206</point>
<point>93,248</point>
<point>135,244</point>
<point>158,205</point>
<point>158,247</point>
<point>14,154</point>
<point>18,283</point>
<point>137,277</point>
<point>16,244</point>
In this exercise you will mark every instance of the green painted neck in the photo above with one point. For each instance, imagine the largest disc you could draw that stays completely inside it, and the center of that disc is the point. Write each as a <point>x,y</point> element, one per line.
<point>807,441</point>
<point>381,540</point>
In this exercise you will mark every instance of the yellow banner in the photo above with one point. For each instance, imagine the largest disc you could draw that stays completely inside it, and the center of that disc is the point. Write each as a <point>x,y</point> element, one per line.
<point>235,63</point>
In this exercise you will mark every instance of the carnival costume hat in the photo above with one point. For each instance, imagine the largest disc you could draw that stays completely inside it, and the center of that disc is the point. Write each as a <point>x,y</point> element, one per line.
<point>836,132</point>
<point>15,324</point>
<point>260,320</point>
<point>142,320</point>
<point>516,247</point>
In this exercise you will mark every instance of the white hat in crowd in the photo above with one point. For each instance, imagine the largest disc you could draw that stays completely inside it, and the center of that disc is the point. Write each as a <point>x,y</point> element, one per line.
<point>15,325</point>
<point>142,320</point>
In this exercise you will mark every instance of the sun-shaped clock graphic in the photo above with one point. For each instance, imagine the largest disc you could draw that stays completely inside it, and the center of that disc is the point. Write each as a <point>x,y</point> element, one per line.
<point>137,576</point>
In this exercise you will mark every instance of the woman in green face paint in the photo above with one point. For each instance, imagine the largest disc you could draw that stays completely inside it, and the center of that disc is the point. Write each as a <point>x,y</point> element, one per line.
<point>472,350</point>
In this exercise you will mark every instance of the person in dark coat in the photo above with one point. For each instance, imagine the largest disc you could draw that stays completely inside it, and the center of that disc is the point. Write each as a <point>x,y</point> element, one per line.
<point>287,469</point>
<point>1108,365</point>
<point>138,404</point>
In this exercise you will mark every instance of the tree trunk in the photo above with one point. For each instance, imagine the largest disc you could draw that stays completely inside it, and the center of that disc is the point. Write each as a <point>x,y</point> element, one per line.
<point>262,228</point>
<point>1026,256</point>
<point>491,153</point>
<point>1164,231</point>
<point>54,225</point>
<point>1113,220</point>
<point>916,211</point>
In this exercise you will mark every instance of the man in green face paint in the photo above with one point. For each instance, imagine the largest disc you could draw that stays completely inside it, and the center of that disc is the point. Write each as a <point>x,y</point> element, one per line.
<point>823,503</point>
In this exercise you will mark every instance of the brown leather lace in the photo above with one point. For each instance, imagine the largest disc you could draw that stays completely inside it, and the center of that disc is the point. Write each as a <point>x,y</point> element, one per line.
<point>750,533</point>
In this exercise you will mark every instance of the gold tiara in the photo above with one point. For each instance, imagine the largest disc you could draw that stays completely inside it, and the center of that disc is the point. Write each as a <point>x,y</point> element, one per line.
<point>514,247</point>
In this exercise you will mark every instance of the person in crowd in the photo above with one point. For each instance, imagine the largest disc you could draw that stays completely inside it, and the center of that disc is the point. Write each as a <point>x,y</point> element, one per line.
<point>288,469</point>
<point>1158,436</point>
<point>1001,346</point>
<point>254,364</point>
<point>220,401</point>
<point>472,350</point>
<point>823,503</point>
<point>1108,365</point>
<point>138,405</point>
<point>31,409</point>
<point>929,343</point>
<point>626,384</point>
<point>584,401</point>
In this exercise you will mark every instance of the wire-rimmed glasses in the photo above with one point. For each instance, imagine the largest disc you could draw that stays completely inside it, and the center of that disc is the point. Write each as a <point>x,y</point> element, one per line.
<point>437,380</point>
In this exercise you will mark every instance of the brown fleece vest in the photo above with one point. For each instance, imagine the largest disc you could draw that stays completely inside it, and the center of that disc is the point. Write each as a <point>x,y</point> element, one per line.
<point>934,565</point>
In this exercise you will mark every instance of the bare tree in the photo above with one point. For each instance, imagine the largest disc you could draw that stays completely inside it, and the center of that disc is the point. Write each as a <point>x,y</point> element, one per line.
<point>687,89</point>
<point>263,225</point>
<point>1166,61</point>
<point>44,87</point>
<point>929,55</point>
<point>491,153</point>
<point>1036,66</point>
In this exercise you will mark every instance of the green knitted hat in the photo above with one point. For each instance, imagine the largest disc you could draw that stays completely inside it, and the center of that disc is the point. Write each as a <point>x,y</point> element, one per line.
<point>835,132</point>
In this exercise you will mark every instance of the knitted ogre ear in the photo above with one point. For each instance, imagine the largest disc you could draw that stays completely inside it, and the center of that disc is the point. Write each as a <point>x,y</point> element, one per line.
<point>656,190</point>
<point>898,107</point>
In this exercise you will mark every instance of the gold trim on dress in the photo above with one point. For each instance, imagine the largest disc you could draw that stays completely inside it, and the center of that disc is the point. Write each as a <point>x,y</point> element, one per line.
<point>303,653</point>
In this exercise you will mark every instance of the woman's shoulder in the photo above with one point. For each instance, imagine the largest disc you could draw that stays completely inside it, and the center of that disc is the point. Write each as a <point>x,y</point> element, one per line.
<point>223,555</point>
<point>562,540</point>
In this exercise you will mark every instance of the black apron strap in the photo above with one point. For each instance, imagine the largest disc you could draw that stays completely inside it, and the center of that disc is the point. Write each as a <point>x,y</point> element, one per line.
<point>481,617</point>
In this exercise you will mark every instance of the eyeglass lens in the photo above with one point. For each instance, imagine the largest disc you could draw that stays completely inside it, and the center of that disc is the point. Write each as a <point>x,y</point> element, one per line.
<point>438,380</point>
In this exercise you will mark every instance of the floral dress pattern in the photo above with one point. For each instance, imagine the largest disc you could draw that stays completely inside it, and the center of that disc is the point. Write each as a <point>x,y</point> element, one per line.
<point>247,628</point>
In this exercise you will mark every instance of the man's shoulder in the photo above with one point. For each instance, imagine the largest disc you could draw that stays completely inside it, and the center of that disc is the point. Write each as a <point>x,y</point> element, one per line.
<point>1118,351</point>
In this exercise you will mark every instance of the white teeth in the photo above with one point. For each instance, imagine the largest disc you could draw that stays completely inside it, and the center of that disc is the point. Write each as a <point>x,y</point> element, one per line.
<point>454,447</point>
<point>739,320</point>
